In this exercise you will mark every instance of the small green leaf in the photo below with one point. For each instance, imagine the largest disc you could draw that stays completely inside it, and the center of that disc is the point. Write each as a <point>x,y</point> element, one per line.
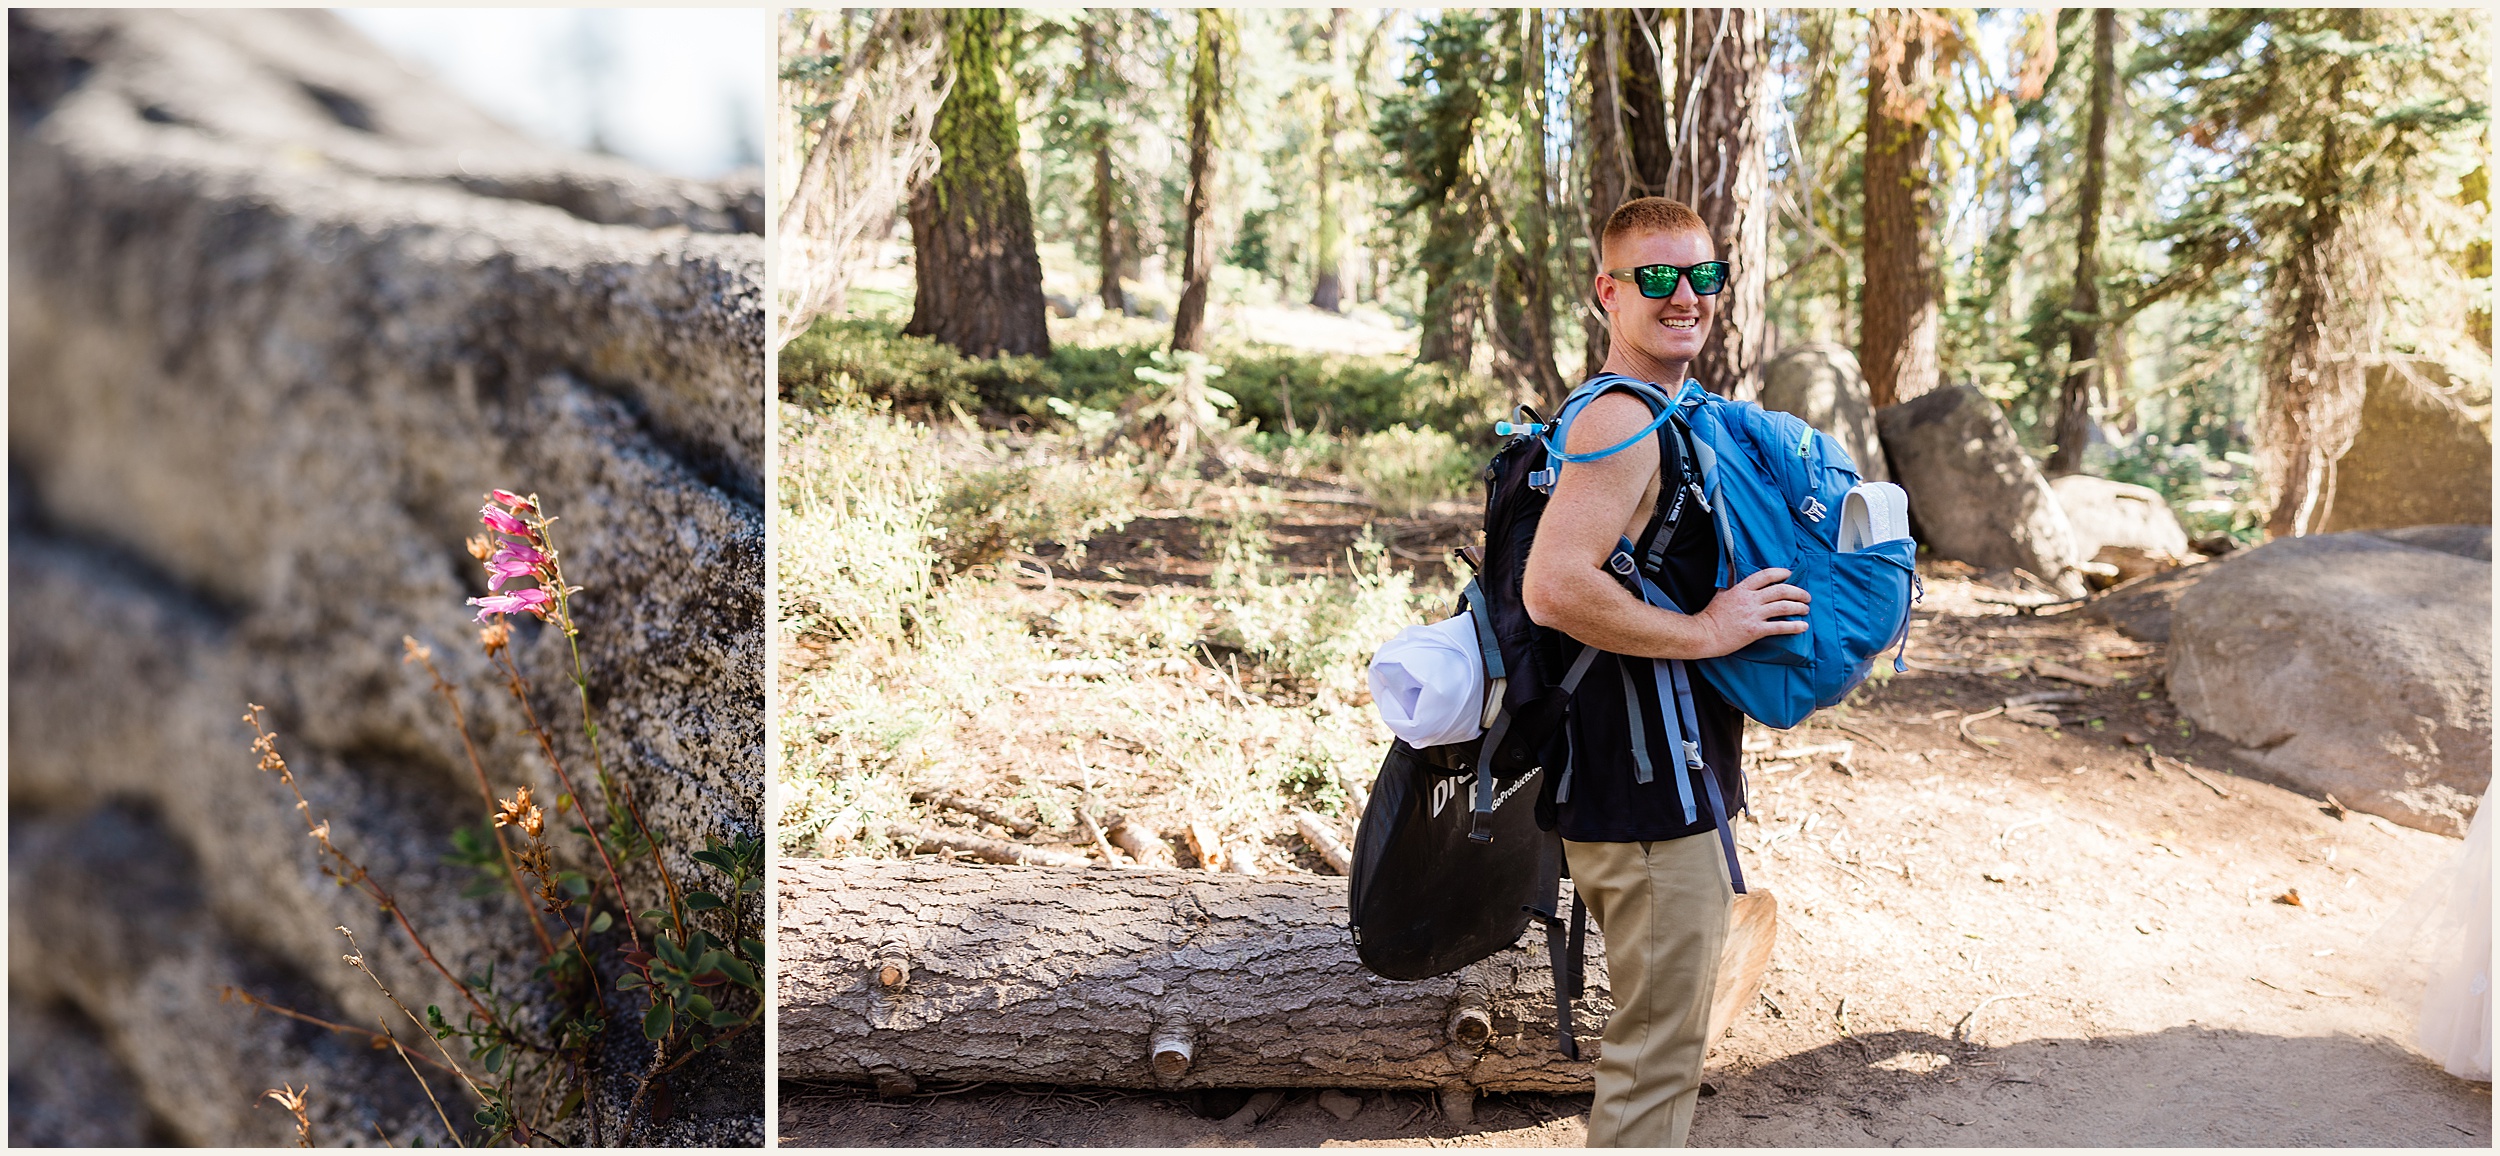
<point>572,1103</point>
<point>601,922</point>
<point>574,884</point>
<point>753,949</point>
<point>494,1059</point>
<point>655,1023</point>
<point>698,1007</point>
<point>631,980</point>
<point>668,949</point>
<point>656,915</point>
<point>739,971</point>
<point>724,1017</point>
<point>751,885</point>
<point>704,901</point>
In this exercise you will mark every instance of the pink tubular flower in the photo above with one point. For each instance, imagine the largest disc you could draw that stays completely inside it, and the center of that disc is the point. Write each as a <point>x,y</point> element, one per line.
<point>503,523</point>
<point>500,570</point>
<point>533,600</point>
<point>513,500</point>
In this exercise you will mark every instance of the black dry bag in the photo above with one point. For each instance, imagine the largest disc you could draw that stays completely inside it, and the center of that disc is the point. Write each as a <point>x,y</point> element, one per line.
<point>1426,899</point>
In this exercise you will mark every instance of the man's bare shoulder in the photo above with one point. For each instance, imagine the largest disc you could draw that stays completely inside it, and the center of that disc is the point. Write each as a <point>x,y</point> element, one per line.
<point>1607,421</point>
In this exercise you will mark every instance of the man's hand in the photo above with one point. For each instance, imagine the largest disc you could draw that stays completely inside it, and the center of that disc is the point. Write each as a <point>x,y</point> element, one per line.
<point>1762,605</point>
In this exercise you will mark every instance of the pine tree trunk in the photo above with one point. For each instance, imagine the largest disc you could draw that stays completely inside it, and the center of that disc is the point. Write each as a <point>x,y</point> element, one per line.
<point>1206,73</point>
<point>1452,303</point>
<point>1525,289</point>
<point>1898,320</point>
<point>899,972</point>
<point>1106,231</point>
<point>2083,325</point>
<point>1327,285</point>
<point>1628,154</point>
<point>1722,169</point>
<point>1606,169</point>
<point>979,276</point>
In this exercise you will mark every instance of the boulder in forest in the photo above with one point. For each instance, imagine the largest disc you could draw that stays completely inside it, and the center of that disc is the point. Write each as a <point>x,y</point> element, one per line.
<point>2347,664</point>
<point>1819,382</point>
<point>2127,527</point>
<point>2420,457</point>
<point>1975,495</point>
<point>280,312</point>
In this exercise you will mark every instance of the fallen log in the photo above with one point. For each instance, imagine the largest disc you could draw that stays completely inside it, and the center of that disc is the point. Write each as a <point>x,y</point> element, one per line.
<point>1161,978</point>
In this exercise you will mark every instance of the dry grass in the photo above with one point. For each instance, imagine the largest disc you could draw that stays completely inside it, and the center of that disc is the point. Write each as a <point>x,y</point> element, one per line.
<point>1232,702</point>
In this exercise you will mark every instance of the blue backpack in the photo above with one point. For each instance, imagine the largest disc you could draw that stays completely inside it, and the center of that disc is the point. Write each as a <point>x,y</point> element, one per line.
<point>1776,487</point>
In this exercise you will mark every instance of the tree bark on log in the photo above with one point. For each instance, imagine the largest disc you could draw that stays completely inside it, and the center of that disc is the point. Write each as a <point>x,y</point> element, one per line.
<point>1170,979</point>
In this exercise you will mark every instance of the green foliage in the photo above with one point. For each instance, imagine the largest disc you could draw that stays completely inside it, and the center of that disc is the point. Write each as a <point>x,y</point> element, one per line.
<point>987,514</point>
<point>851,362</point>
<point>475,849</point>
<point>1404,469</point>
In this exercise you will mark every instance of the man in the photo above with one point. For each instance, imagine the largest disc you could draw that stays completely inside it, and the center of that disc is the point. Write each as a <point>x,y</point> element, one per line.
<point>1656,882</point>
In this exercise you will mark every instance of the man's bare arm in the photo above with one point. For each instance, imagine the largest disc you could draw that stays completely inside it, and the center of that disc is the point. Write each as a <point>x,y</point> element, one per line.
<point>1567,587</point>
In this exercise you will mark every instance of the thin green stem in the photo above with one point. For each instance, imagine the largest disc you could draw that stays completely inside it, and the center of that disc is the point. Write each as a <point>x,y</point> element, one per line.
<point>590,726</point>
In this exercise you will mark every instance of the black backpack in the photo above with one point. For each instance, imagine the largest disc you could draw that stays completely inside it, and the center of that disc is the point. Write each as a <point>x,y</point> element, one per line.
<point>1435,886</point>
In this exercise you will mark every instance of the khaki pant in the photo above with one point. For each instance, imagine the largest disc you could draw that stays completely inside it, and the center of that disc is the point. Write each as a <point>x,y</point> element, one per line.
<point>1664,908</point>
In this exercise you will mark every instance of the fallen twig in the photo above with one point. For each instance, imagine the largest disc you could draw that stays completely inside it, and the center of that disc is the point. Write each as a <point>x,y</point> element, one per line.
<point>2047,669</point>
<point>1318,832</point>
<point>1964,728</point>
<point>1961,1027</point>
<point>1142,842</point>
<point>2191,772</point>
<point>1205,844</point>
<point>926,842</point>
<point>987,814</point>
<point>1880,744</point>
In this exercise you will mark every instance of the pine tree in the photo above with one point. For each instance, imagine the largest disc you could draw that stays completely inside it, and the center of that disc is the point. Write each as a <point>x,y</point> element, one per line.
<point>1898,306</point>
<point>979,275</point>
<point>2336,137</point>
<point>1719,166</point>
<point>1206,94</point>
<point>2083,309</point>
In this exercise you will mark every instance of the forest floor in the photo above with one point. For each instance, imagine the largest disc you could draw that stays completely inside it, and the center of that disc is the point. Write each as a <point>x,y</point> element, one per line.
<point>1991,932</point>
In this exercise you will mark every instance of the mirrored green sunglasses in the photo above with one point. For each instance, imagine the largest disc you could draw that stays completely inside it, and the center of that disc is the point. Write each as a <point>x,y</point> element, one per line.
<point>1659,280</point>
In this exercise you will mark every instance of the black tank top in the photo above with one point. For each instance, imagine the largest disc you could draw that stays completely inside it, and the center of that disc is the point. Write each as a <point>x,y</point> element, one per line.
<point>1607,805</point>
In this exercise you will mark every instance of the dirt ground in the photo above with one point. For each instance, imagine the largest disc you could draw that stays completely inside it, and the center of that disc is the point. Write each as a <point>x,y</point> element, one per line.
<point>1991,932</point>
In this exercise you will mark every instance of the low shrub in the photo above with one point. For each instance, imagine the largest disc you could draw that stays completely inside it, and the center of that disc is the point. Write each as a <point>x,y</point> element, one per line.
<point>1403,469</point>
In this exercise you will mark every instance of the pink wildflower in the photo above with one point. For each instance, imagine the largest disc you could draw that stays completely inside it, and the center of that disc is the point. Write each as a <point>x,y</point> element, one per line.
<point>533,601</point>
<point>500,571</point>
<point>502,522</point>
<point>513,500</point>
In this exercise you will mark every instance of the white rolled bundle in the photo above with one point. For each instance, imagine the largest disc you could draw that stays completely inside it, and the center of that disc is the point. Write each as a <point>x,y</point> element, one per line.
<point>1428,683</point>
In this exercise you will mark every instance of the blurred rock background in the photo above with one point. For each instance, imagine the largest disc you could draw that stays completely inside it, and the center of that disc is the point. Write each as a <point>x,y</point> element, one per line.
<point>281,309</point>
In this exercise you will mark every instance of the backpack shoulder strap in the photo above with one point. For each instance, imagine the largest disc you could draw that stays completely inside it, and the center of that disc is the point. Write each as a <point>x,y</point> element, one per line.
<point>1660,405</point>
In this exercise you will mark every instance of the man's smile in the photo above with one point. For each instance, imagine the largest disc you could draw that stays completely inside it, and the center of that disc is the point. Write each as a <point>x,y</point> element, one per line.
<point>1680,322</point>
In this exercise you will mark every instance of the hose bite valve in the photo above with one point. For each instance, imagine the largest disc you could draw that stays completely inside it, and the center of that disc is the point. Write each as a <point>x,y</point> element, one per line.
<point>1505,429</point>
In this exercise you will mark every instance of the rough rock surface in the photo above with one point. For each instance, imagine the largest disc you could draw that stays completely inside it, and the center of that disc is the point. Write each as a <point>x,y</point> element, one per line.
<point>1820,383</point>
<point>2419,458</point>
<point>2347,664</point>
<point>279,313</point>
<point>1974,494</point>
<point>2106,513</point>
